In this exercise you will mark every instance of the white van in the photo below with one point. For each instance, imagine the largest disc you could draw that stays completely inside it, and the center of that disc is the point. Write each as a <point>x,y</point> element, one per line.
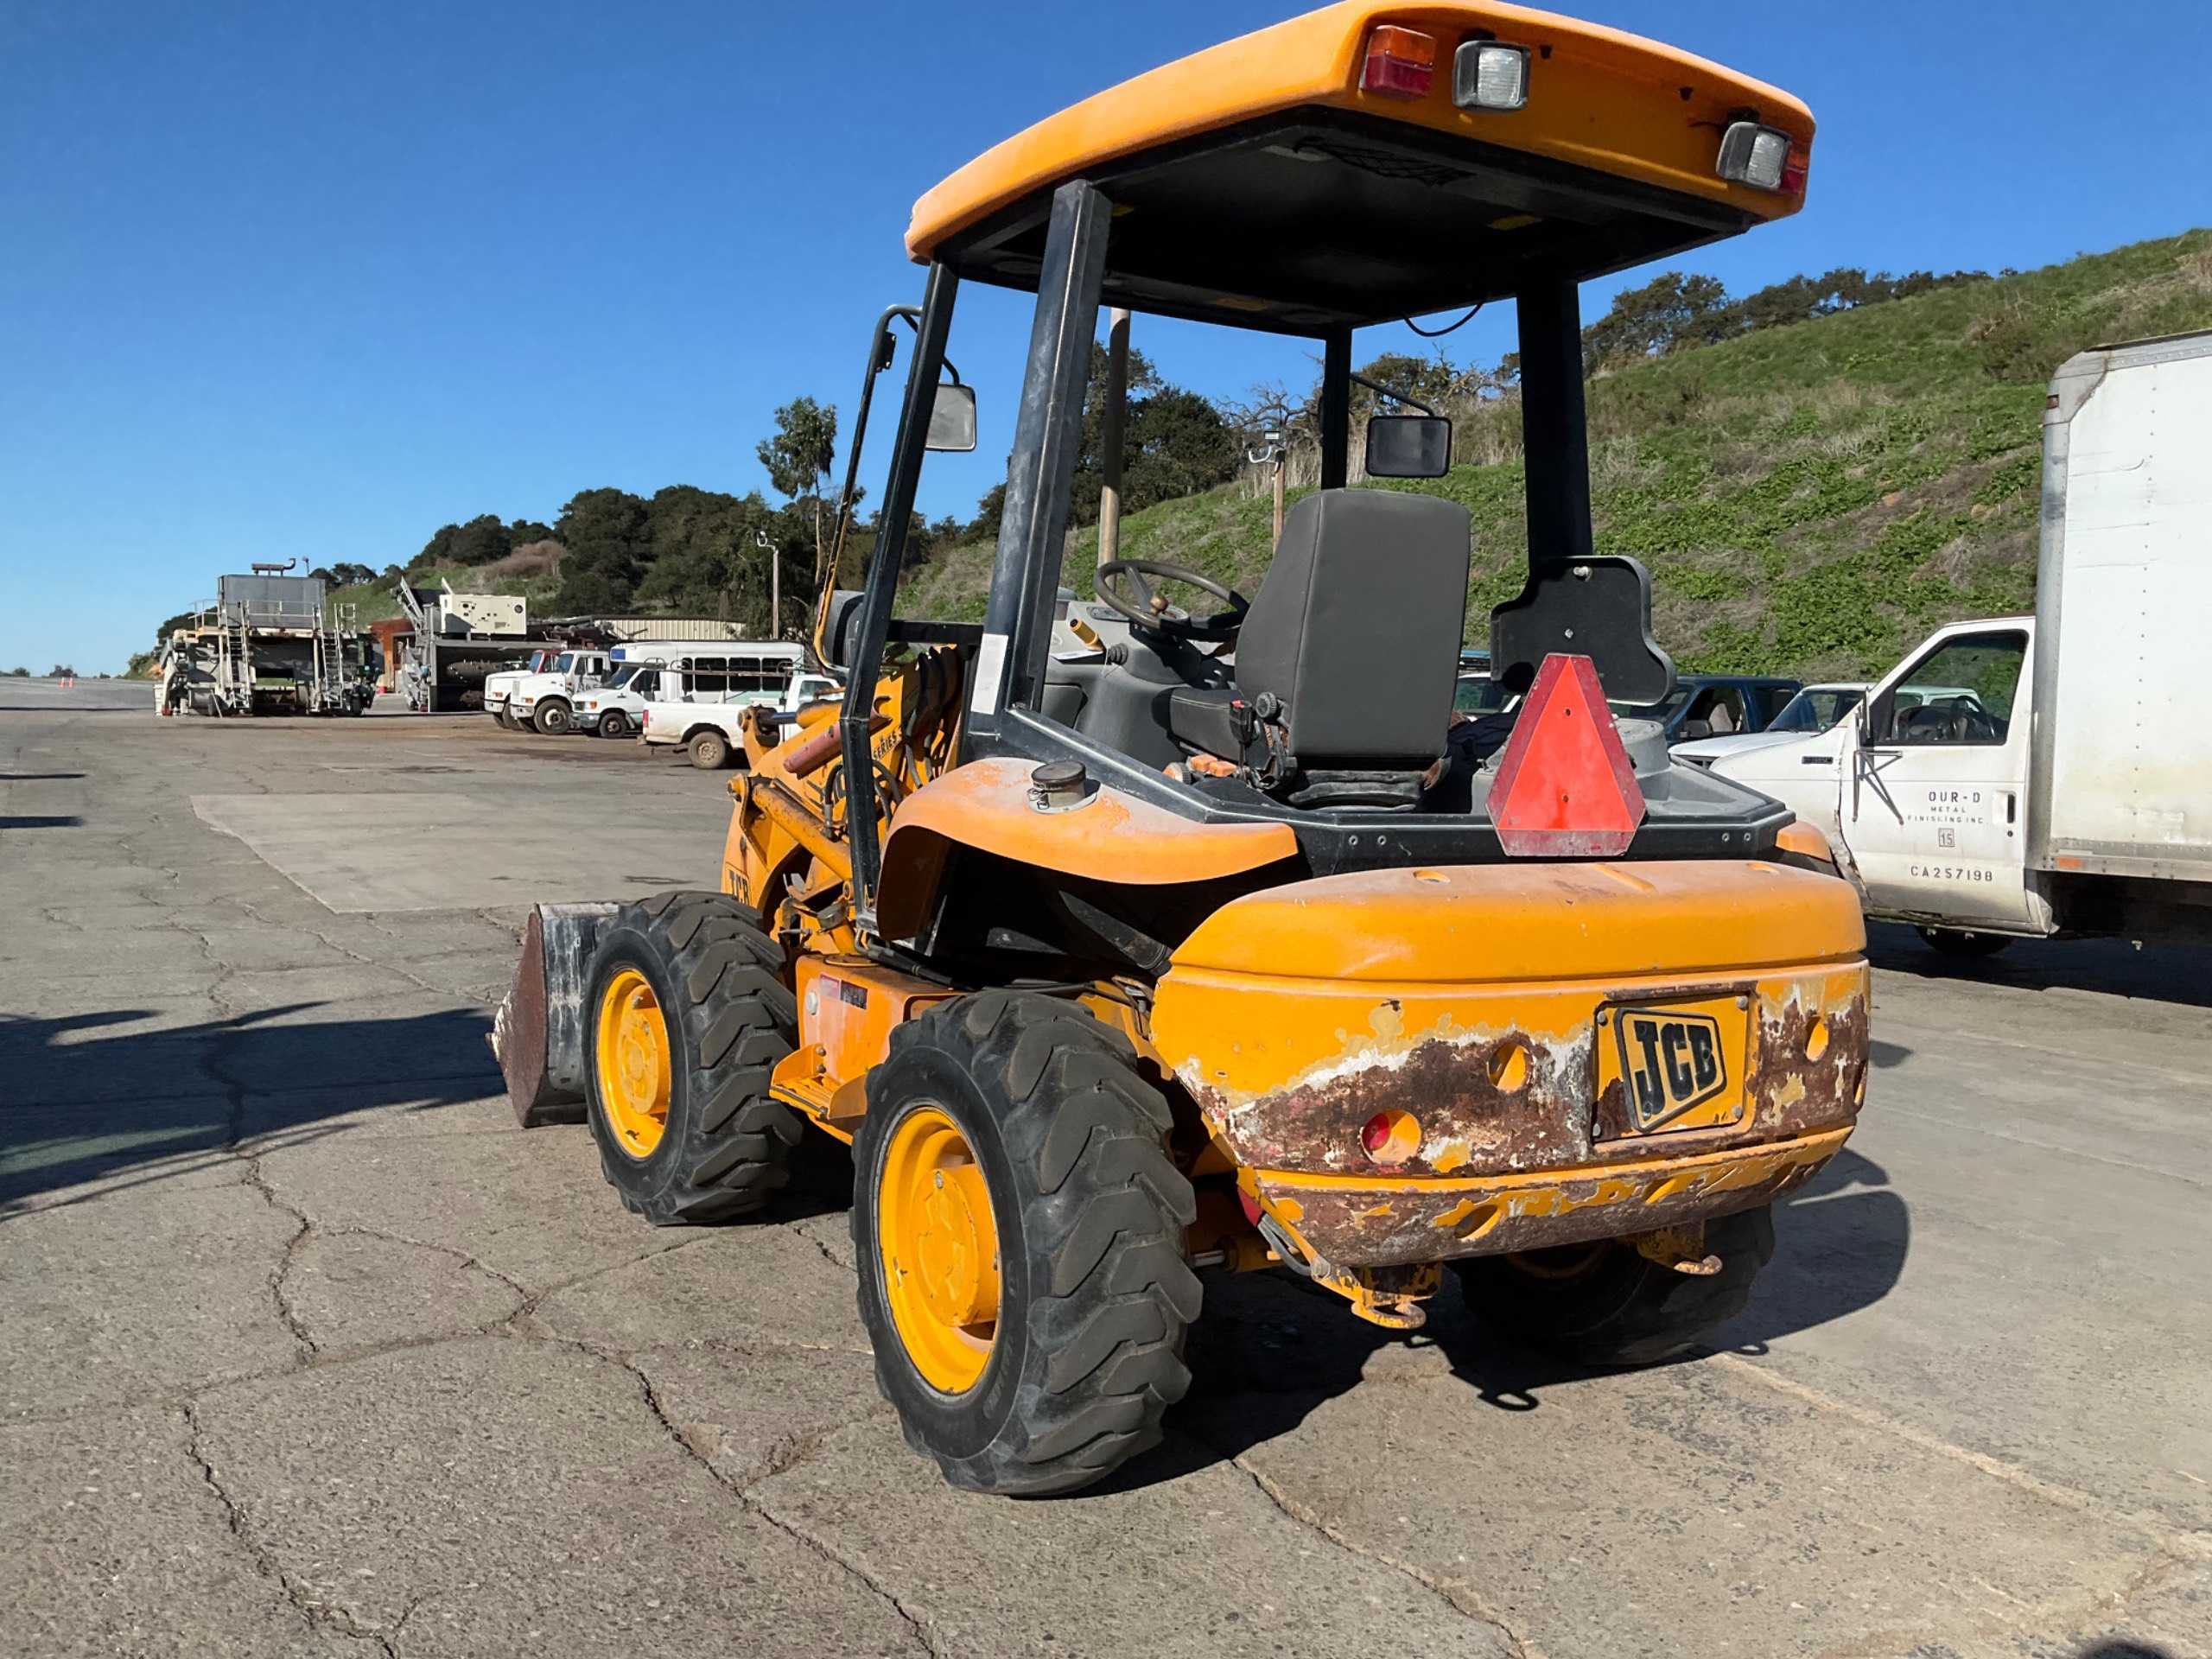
<point>646,671</point>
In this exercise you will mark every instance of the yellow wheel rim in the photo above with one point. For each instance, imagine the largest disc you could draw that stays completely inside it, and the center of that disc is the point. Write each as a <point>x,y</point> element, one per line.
<point>634,1068</point>
<point>939,1243</point>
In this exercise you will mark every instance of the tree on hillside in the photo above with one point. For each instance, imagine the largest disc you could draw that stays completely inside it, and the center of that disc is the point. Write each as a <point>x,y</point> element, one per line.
<point>706,554</point>
<point>1173,442</point>
<point>19,673</point>
<point>798,457</point>
<point>1431,379</point>
<point>1670,310</point>
<point>609,535</point>
<point>990,511</point>
<point>480,541</point>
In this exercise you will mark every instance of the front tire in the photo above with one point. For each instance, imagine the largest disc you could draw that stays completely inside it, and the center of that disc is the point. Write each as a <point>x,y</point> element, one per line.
<point>1962,946</point>
<point>709,751</point>
<point>553,717</point>
<point>687,1016</point>
<point>612,724</point>
<point>1604,1304</point>
<point>1019,1231</point>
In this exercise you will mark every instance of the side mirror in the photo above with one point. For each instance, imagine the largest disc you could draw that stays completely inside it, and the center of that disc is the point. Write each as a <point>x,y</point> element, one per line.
<point>1409,446</point>
<point>952,418</point>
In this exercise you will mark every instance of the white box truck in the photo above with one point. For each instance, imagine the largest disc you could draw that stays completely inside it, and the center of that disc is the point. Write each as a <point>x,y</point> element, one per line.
<point>2052,774</point>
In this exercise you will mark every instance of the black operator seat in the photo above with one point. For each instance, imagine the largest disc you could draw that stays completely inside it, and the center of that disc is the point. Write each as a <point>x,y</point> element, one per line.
<point>1355,634</point>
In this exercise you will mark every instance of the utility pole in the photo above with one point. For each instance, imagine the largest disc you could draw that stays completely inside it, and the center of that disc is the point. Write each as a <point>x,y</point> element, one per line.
<point>1117,389</point>
<point>775,582</point>
<point>1272,454</point>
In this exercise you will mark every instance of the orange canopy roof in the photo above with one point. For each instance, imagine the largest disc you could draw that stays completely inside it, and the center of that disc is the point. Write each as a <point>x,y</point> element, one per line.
<point>1599,99</point>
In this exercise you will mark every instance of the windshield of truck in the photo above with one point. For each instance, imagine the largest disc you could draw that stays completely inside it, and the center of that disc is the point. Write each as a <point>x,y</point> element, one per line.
<point>564,661</point>
<point>1817,709</point>
<point>622,675</point>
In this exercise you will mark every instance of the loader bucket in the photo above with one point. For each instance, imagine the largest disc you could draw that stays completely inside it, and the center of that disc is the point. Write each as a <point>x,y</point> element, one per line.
<point>537,1036</point>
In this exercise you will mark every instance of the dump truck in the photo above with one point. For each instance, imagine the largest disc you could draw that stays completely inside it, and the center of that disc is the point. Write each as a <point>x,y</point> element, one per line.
<point>2026,776</point>
<point>1214,944</point>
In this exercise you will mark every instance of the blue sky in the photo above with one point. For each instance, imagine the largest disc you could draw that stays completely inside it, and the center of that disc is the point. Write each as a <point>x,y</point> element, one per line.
<point>283,279</point>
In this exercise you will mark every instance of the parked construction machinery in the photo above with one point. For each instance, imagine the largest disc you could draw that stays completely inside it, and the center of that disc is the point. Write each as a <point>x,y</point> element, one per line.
<point>1213,943</point>
<point>270,645</point>
<point>458,642</point>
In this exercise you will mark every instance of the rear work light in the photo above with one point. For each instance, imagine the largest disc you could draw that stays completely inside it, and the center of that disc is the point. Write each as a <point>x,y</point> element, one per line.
<point>1401,63</point>
<point>1761,157</point>
<point>1490,75</point>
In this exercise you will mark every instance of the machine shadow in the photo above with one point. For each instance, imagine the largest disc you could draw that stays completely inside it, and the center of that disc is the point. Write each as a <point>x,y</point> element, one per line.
<point>2180,974</point>
<point>82,1102</point>
<point>42,821</point>
<point>1270,1349</point>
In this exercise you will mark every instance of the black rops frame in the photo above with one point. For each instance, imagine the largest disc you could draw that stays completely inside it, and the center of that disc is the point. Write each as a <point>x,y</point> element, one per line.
<point>882,581</point>
<point>1573,598</point>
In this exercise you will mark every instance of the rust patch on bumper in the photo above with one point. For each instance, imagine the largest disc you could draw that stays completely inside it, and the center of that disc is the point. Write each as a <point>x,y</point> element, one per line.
<point>1355,1224</point>
<point>1454,1084</point>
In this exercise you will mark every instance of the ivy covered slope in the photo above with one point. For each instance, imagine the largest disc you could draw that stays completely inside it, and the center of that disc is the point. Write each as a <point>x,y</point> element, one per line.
<point>1809,499</point>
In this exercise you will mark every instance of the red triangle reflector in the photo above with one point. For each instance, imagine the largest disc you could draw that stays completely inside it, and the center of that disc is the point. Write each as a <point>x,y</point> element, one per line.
<point>1565,786</point>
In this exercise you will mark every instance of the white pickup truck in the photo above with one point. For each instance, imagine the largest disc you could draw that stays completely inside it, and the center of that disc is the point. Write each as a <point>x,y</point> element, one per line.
<point>708,732</point>
<point>2050,774</point>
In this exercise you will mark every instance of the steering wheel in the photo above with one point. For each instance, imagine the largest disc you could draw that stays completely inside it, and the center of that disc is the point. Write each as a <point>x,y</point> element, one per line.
<point>1145,611</point>
<point>1972,723</point>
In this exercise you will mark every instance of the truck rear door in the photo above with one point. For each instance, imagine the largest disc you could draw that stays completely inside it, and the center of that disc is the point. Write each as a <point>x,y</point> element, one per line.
<point>1933,809</point>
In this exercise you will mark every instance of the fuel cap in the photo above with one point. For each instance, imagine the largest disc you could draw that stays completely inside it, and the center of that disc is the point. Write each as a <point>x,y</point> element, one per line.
<point>1060,786</point>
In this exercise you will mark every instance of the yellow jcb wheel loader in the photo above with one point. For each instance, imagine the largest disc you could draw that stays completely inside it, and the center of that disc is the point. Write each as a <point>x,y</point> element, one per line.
<point>1126,943</point>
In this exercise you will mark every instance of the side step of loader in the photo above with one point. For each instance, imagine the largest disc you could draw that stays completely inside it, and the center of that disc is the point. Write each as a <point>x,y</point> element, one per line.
<point>538,1035</point>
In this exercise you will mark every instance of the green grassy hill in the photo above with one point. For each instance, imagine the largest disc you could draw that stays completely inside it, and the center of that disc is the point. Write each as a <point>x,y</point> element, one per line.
<point>1809,499</point>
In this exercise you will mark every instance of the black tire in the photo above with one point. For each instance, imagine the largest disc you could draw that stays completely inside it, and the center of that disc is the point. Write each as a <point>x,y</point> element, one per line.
<point>553,717</point>
<point>718,979</point>
<point>503,717</point>
<point>710,750</point>
<point>1094,1289</point>
<point>1606,1305</point>
<point>1963,946</point>
<point>613,723</point>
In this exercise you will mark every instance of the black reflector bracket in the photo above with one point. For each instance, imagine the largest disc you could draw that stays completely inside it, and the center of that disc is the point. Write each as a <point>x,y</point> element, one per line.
<point>1598,606</point>
<point>1576,603</point>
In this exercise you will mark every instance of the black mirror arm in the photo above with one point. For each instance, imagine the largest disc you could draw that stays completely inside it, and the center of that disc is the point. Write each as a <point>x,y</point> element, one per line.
<point>1397,396</point>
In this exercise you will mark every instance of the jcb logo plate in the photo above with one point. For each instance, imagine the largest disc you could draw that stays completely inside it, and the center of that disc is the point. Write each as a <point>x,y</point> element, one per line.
<point>1678,1068</point>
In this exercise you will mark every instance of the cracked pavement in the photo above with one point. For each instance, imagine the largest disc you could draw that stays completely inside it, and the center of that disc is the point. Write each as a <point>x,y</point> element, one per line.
<point>305,1349</point>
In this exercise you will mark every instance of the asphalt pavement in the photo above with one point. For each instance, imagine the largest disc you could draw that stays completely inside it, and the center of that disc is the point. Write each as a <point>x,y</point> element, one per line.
<point>306,1349</point>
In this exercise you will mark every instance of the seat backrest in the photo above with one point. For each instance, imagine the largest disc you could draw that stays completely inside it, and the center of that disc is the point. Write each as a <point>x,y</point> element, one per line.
<point>1355,627</point>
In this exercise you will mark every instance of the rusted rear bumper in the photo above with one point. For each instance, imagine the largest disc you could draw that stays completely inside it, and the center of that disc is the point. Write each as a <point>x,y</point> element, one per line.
<point>1357,1223</point>
<point>1491,1007</point>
